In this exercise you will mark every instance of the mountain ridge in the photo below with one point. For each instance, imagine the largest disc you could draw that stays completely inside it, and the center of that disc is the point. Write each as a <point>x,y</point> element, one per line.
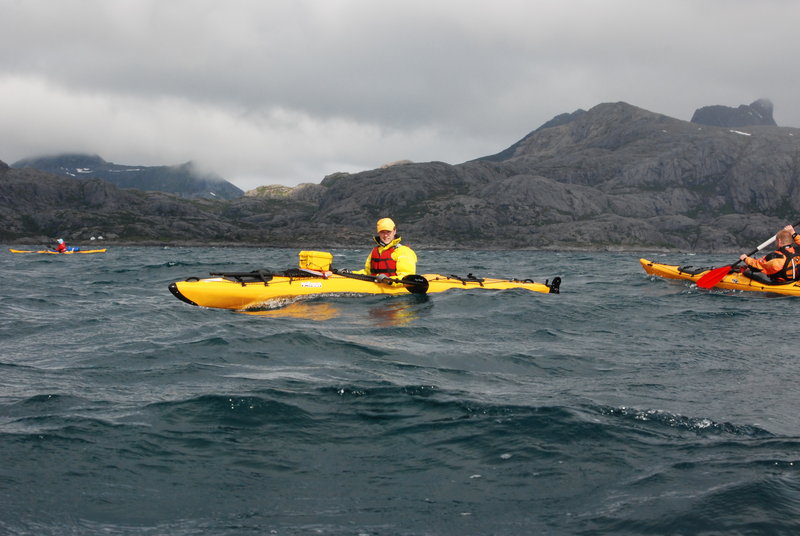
<point>184,179</point>
<point>613,177</point>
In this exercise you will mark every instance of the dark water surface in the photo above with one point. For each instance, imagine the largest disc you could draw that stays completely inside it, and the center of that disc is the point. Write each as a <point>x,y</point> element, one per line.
<point>624,405</point>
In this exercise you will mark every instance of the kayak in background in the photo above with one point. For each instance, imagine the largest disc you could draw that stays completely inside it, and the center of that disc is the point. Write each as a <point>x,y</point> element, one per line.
<point>736,280</point>
<point>51,252</point>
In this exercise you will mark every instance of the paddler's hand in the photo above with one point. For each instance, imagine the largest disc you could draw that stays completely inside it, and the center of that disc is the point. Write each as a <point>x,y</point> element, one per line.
<point>382,278</point>
<point>742,257</point>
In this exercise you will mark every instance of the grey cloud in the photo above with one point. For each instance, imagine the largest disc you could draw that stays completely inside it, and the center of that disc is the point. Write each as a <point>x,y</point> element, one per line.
<point>276,89</point>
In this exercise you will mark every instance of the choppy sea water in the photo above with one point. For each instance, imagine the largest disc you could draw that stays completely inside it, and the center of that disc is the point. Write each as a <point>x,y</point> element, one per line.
<point>624,405</point>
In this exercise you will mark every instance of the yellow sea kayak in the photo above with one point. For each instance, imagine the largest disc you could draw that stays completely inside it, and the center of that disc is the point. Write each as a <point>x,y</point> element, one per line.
<point>51,252</point>
<point>732,281</point>
<point>253,289</point>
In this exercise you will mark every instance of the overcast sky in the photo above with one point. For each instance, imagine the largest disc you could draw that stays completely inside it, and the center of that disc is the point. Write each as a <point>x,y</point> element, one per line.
<point>288,91</point>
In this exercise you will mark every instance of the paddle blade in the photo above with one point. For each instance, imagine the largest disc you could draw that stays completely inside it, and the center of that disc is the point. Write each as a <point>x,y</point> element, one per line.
<point>713,277</point>
<point>416,284</point>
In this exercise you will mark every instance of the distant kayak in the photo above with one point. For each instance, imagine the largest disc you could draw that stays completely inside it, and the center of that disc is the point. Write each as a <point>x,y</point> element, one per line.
<point>51,252</point>
<point>735,280</point>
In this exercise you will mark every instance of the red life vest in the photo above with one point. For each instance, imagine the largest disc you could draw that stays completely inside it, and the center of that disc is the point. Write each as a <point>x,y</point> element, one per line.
<point>61,248</point>
<point>383,263</point>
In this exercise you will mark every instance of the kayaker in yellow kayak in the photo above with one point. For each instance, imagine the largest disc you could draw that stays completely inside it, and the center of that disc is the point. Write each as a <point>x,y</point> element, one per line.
<point>389,258</point>
<point>61,246</point>
<point>782,264</point>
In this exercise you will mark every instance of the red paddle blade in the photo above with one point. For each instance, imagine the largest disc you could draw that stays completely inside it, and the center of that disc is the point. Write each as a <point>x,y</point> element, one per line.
<point>713,277</point>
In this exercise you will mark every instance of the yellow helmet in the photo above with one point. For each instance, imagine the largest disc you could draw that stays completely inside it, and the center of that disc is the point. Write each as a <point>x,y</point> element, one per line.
<point>386,224</point>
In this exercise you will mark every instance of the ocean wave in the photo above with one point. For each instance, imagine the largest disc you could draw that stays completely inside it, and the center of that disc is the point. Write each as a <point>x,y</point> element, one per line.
<point>621,406</point>
<point>698,425</point>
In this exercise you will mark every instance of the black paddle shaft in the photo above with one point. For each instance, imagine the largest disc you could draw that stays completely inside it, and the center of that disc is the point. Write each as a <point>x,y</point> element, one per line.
<point>415,284</point>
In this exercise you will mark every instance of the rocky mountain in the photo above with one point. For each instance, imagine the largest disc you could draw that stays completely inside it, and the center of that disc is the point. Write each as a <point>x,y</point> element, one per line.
<point>36,207</point>
<point>757,113</point>
<point>613,177</point>
<point>184,180</point>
